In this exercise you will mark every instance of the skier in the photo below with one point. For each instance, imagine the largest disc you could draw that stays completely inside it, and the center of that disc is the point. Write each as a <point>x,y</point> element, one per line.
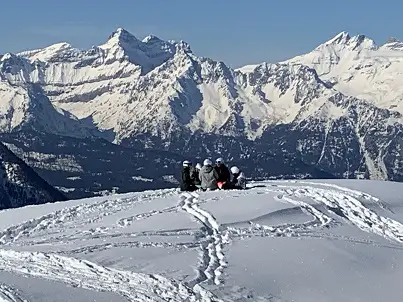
<point>224,175</point>
<point>208,176</point>
<point>195,176</point>
<point>187,182</point>
<point>238,180</point>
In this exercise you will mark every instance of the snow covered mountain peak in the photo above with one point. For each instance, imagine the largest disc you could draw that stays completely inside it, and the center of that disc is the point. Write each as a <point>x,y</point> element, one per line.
<point>341,38</point>
<point>393,44</point>
<point>344,40</point>
<point>151,39</point>
<point>121,37</point>
<point>6,56</point>
<point>357,67</point>
<point>148,53</point>
<point>392,40</point>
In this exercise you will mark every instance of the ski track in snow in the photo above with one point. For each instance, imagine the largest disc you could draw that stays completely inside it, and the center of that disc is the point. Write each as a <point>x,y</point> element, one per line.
<point>320,221</point>
<point>9,294</point>
<point>354,193</point>
<point>88,235</point>
<point>129,244</point>
<point>212,257</point>
<point>88,275</point>
<point>58,218</point>
<point>344,203</point>
<point>125,222</point>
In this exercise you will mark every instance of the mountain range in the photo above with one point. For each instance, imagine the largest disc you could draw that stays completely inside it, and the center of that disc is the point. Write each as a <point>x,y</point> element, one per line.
<point>124,114</point>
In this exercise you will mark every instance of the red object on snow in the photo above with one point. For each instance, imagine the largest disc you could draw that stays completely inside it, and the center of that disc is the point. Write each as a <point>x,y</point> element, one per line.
<point>220,184</point>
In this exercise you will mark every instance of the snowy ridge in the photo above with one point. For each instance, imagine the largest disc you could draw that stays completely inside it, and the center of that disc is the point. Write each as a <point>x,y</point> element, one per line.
<point>358,67</point>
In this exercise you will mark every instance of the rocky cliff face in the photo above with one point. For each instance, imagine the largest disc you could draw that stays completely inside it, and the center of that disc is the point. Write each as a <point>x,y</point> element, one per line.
<point>20,185</point>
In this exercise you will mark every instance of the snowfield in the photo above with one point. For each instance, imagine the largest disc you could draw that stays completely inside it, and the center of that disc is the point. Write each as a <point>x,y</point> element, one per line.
<point>277,241</point>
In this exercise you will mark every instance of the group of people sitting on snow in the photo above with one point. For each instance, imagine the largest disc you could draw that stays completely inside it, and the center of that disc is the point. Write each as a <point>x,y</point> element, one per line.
<point>209,177</point>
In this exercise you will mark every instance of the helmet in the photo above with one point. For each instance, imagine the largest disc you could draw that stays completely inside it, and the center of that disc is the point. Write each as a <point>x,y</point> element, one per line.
<point>207,162</point>
<point>219,161</point>
<point>235,170</point>
<point>198,166</point>
<point>186,163</point>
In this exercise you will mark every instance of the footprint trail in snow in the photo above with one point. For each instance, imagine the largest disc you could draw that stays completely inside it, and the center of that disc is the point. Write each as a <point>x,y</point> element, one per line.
<point>212,258</point>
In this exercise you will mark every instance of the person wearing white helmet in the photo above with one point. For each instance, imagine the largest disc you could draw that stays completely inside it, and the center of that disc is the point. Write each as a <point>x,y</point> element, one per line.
<point>238,179</point>
<point>187,183</point>
<point>186,163</point>
<point>208,176</point>
<point>195,175</point>
<point>224,175</point>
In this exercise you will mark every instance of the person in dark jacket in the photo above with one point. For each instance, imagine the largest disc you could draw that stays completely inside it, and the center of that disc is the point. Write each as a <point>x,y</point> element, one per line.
<point>196,177</point>
<point>208,176</point>
<point>224,176</point>
<point>187,183</point>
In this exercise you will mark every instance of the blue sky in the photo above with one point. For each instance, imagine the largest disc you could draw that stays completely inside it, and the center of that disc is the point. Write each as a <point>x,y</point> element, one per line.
<point>236,32</point>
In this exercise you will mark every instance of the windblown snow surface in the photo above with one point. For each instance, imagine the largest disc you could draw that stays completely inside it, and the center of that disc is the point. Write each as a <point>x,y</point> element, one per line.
<point>277,241</point>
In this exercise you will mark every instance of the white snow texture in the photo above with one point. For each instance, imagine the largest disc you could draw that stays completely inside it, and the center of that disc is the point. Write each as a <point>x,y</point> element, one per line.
<point>275,241</point>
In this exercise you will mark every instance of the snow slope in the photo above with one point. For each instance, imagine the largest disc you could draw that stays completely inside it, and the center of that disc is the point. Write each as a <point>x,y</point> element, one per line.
<point>276,241</point>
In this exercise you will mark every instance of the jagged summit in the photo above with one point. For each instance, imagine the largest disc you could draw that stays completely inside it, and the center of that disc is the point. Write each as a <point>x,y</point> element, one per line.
<point>148,53</point>
<point>122,33</point>
<point>357,67</point>
<point>343,39</point>
<point>6,56</point>
<point>392,40</point>
<point>151,39</point>
<point>393,44</point>
<point>122,37</point>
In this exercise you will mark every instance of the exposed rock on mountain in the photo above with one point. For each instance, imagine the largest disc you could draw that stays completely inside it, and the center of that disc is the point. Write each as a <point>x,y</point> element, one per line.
<point>20,185</point>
